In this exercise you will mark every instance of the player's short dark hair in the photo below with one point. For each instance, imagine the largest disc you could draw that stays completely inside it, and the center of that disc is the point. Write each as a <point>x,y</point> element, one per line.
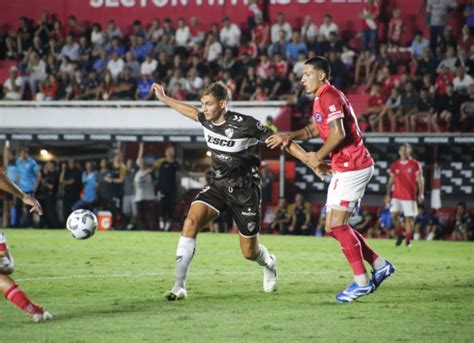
<point>320,63</point>
<point>407,146</point>
<point>218,90</point>
<point>462,204</point>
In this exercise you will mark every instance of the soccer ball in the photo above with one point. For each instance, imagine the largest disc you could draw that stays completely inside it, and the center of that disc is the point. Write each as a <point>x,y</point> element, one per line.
<point>82,224</point>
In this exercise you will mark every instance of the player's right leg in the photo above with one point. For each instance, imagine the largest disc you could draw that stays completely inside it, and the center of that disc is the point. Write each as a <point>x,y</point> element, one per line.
<point>12,291</point>
<point>395,208</point>
<point>200,214</point>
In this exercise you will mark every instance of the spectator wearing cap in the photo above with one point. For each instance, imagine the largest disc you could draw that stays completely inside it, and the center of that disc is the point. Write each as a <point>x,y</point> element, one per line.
<point>14,86</point>
<point>437,12</point>
<point>280,24</point>
<point>230,34</point>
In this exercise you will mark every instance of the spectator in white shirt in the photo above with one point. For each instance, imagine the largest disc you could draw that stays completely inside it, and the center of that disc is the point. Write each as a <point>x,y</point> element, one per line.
<point>149,65</point>
<point>462,81</point>
<point>14,85</point>
<point>115,65</point>
<point>327,27</point>
<point>213,49</point>
<point>36,71</point>
<point>230,34</point>
<point>309,31</point>
<point>193,84</point>
<point>183,35</point>
<point>96,35</point>
<point>281,25</point>
<point>70,49</point>
<point>113,30</point>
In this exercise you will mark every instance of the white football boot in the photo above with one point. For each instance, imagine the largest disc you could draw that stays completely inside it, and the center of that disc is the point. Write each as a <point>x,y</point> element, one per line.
<point>270,277</point>
<point>176,294</point>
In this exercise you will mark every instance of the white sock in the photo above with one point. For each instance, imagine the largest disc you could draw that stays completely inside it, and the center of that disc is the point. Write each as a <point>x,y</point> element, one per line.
<point>430,236</point>
<point>362,279</point>
<point>416,236</point>
<point>264,258</point>
<point>379,263</point>
<point>184,256</point>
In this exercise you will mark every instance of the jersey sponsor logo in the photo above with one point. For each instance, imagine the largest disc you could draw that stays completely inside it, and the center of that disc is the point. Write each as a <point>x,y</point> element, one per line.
<point>318,117</point>
<point>332,108</point>
<point>229,132</point>
<point>220,141</point>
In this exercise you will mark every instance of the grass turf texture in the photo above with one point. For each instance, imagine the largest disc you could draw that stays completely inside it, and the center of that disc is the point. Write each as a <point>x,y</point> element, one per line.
<point>109,288</point>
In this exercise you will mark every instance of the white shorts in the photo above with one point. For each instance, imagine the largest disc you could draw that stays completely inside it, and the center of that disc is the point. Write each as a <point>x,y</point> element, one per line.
<point>129,205</point>
<point>346,189</point>
<point>407,207</point>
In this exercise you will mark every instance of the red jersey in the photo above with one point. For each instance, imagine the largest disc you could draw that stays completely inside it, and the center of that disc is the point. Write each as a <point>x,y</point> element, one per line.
<point>330,104</point>
<point>442,82</point>
<point>404,179</point>
<point>396,27</point>
<point>370,24</point>
<point>377,101</point>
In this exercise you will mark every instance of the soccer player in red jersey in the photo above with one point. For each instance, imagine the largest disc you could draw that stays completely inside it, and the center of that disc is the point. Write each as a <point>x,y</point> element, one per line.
<point>7,285</point>
<point>405,176</point>
<point>352,167</point>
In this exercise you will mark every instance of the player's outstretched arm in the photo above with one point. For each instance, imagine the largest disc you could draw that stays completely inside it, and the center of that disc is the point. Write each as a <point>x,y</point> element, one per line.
<point>284,140</point>
<point>7,185</point>
<point>185,109</point>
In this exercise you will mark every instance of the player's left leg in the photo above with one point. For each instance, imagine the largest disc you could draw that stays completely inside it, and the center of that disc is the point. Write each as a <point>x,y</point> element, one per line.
<point>252,250</point>
<point>12,291</point>
<point>408,230</point>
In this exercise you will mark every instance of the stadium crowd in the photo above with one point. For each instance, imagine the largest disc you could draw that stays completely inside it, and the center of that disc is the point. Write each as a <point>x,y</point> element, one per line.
<point>146,195</point>
<point>428,83</point>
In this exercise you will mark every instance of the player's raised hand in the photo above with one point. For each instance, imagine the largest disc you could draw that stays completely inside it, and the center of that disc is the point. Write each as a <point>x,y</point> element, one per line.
<point>35,205</point>
<point>158,90</point>
<point>279,140</point>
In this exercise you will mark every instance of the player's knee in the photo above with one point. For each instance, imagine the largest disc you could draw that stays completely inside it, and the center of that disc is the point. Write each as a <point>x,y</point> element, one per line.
<point>190,226</point>
<point>6,265</point>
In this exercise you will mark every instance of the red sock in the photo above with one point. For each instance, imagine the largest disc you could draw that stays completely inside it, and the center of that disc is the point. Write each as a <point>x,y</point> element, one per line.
<point>400,231</point>
<point>351,247</point>
<point>408,237</point>
<point>20,299</point>
<point>369,254</point>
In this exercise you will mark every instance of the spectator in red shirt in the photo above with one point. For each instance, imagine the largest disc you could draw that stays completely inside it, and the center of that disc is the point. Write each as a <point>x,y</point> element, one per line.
<point>395,28</point>
<point>376,106</point>
<point>261,33</point>
<point>369,17</point>
<point>443,79</point>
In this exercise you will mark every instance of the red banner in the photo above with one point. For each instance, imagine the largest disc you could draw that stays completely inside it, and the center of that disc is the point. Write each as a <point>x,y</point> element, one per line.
<point>345,12</point>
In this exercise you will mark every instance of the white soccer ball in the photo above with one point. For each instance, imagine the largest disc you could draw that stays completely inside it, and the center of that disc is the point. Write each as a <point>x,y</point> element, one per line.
<point>82,224</point>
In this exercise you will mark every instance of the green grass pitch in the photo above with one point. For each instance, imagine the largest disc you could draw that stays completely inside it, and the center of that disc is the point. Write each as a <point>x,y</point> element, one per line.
<point>109,288</point>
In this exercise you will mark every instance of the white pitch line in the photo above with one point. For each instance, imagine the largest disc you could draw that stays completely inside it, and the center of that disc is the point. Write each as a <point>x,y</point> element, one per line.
<point>91,276</point>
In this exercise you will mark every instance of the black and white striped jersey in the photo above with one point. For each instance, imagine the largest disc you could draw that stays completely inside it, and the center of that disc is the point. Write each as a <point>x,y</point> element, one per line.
<point>234,143</point>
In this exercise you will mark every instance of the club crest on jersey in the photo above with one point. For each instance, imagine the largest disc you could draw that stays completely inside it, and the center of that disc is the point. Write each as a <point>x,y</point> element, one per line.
<point>409,170</point>
<point>229,132</point>
<point>318,117</point>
